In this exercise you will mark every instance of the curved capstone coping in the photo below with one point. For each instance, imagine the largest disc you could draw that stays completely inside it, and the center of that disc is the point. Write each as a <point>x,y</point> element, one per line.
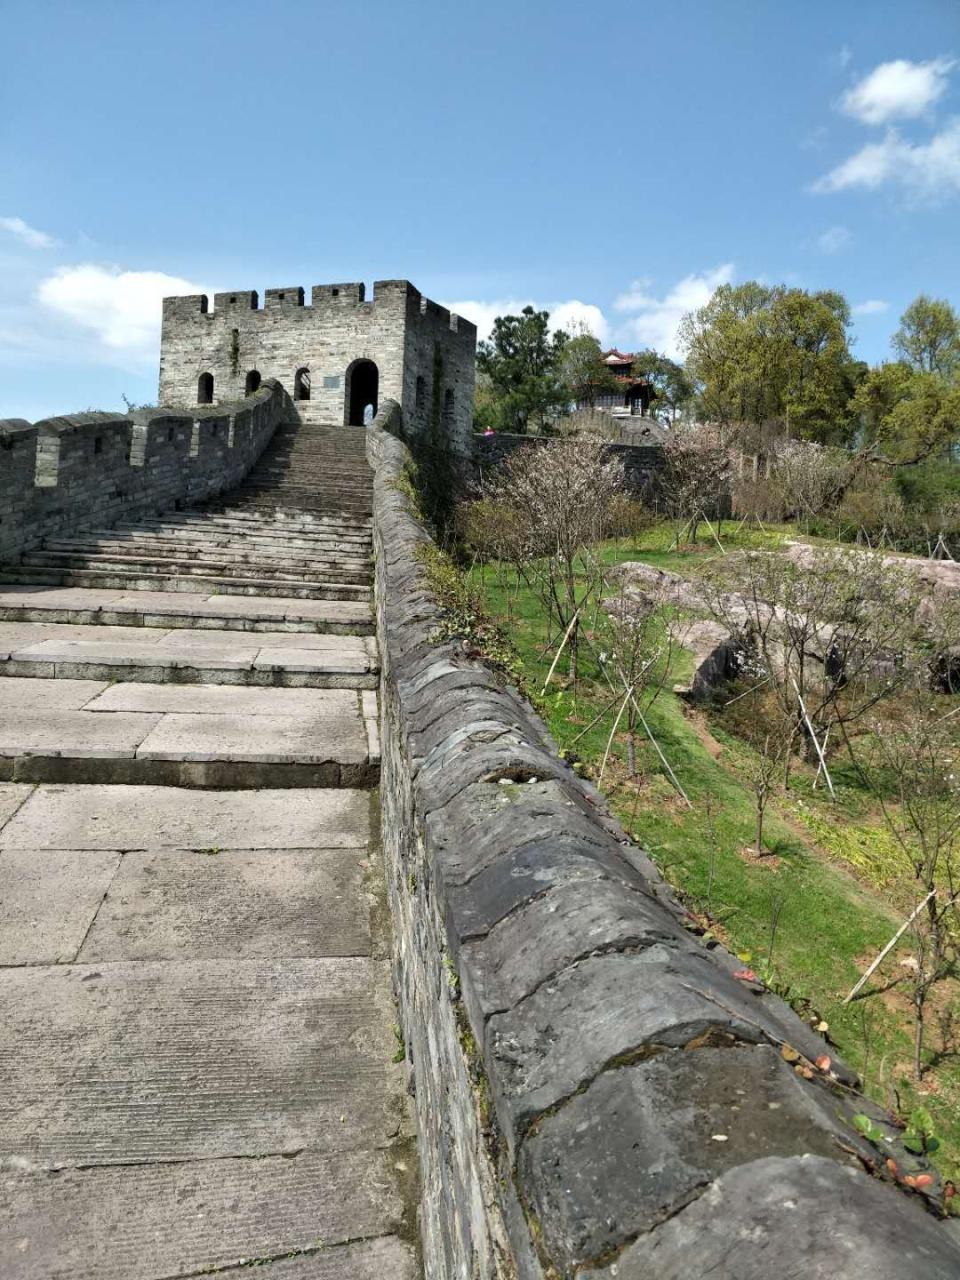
<point>79,471</point>
<point>597,1093</point>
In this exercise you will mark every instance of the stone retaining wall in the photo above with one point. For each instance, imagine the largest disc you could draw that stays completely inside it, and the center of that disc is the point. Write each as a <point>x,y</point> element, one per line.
<point>641,463</point>
<point>597,1093</point>
<point>63,475</point>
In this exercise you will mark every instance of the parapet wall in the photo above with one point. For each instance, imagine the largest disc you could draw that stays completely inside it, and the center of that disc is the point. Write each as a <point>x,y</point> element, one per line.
<point>598,1094</point>
<point>63,475</point>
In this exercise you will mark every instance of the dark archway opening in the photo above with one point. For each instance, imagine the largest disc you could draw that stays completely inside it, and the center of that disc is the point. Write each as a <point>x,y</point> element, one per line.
<point>363,384</point>
<point>301,384</point>
<point>252,383</point>
<point>205,388</point>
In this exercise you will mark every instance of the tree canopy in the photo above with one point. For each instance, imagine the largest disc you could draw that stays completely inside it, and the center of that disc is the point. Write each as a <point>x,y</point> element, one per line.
<point>906,414</point>
<point>762,355</point>
<point>671,386</point>
<point>584,374</point>
<point>763,362</point>
<point>522,363</point>
<point>929,336</point>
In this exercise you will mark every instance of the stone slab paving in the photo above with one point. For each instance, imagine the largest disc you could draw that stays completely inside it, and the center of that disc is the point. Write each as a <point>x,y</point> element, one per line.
<point>48,901</point>
<point>93,817</point>
<point>147,578</point>
<point>17,694</point>
<point>214,698</point>
<point>300,739</point>
<point>196,1067</point>
<point>248,903</point>
<point>216,657</point>
<point>73,733</point>
<point>150,1222</point>
<point>27,638</point>
<point>127,1063</point>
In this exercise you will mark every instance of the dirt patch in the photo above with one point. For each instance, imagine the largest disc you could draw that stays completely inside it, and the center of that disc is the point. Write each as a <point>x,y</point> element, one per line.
<point>769,861</point>
<point>698,723</point>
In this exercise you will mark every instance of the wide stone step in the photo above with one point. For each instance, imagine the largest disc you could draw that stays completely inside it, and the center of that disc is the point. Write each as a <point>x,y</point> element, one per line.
<point>293,543</point>
<point>129,1223</point>
<point>355,566</point>
<point>170,609</point>
<point>89,731</point>
<point>224,510</point>
<point>315,466</point>
<point>297,489</point>
<point>320,488</point>
<point>199,565</point>
<point>215,535</point>
<point>262,659</point>
<point>348,504</point>
<point>263,501</point>
<point>130,580</point>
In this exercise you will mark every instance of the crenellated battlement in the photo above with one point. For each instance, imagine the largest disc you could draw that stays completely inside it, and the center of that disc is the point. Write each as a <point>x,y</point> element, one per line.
<point>385,292</point>
<point>337,352</point>
<point>81,470</point>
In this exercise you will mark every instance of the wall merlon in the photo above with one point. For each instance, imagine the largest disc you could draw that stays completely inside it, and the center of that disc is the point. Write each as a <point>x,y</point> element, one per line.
<point>351,293</point>
<point>236,300</point>
<point>434,311</point>
<point>281,299</point>
<point>185,306</point>
<point>394,289</point>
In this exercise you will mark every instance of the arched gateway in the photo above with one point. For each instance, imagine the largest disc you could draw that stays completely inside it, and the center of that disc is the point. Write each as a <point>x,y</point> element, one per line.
<point>362,388</point>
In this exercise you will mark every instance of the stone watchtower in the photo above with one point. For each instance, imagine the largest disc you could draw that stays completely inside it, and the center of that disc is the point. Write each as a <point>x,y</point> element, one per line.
<point>337,357</point>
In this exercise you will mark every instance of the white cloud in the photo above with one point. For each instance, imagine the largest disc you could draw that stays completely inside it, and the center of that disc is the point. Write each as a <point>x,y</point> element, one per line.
<point>925,171</point>
<point>123,308</point>
<point>654,321</point>
<point>571,314</point>
<point>29,235</point>
<point>872,307</point>
<point>834,239</point>
<point>575,316</point>
<point>897,90</point>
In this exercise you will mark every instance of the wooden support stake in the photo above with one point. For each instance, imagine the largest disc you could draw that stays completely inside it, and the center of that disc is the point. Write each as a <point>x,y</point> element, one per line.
<point>890,945</point>
<point>810,730</point>
<point>566,637</point>
<point>656,745</point>
<point>623,707</point>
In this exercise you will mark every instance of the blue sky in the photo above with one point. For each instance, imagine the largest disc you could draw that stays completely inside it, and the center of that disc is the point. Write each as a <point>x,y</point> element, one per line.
<point>615,163</point>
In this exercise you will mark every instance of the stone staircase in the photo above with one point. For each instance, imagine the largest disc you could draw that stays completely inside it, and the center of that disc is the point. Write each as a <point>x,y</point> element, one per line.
<point>196,1068</point>
<point>312,467</point>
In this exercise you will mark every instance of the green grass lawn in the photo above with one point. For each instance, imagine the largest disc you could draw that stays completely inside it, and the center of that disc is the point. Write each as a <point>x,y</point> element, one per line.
<point>811,914</point>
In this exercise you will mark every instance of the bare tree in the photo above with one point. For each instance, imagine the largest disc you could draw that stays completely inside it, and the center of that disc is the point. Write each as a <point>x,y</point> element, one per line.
<point>696,471</point>
<point>831,633</point>
<point>636,642</point>
<point>808,477</point>
<point>560,497</point>
<point>914,768</point>
<point>768,733</point>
